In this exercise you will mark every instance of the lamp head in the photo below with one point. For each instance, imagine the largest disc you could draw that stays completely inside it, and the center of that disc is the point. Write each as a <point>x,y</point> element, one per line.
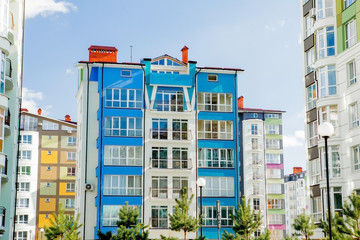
<point>326,129</point>
<point>201,182</point>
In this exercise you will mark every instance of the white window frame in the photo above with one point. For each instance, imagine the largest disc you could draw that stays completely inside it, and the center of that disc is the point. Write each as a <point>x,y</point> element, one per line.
<point>274,188</point>
<point>214,129</point>
<point>113,127</point>
<point>316,209</point>
<point>111,214</point>
<point>272,115</point>
<point>219,187</point>
<point>274,173</point>
<point>216,157</point>
<point>71,141</point>
<point>70,187</point>
<point>324,9</point>
<point>70,203</point>
<point>324,81</point>
<point>160,218</point>
<point>329,113</point>
<point>159,187</point>
<point>334,161</point>
<point>217,102</point>
<point>348,3</point>
<point>273,143</point>
<point>49,126</point>
<point>123,155</point>
<point>355,154</point>
<point>351,72</point>
<point>123,98</point>
<point>315,171</point>
<point>273,129</point>
<point>71,172</point>
<point>210,216</point>
<point>310,60</point>
<point>24,170</point>
<point>130,185</point>
<point>322,40</point>
<point>308,23</point>
<point>170,101</point>
<point>274,203</point>
<point>22,202</point>
<point>354,120</point>
<point>276,219</point>
<point>212,77</point>
<point>22,219</point>
<point>312,134</point>
<point>273,158</point>
<point>25,154</point>
<point>21,235</point>
<point>350,34</point>
<point>71,156</point>
<point>23,187</point>
<point>128,73</point>
<point>26,139</point>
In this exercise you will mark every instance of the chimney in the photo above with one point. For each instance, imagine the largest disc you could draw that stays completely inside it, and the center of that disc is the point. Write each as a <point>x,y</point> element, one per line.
<point>39,111</point>
<point>102,54</point>
<point>241,102</point>
<point>185,54</point>
<point>24,110</point>
<point>297,170</point>
<point>67,118</point>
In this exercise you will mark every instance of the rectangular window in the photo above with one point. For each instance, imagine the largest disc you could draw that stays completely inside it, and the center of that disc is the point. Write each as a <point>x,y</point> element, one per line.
<point>311,97</point>
<point>69,203</point>
<point>216,157</point>
<point>337,191</point>
<point>273,158</point>
<point>310,60</point>
<point>272,115</point>
<point>325,42</point>
<point>123,98</point>
<point>123,155</point>
<point>123,126</point>
<point>213,129</point>
<point>334,161</point>
<point>71,156</point>
<point>28,123</point>
<point>256,189</point>
<point>315,172</point>
<point>329,114</point>
<point>312,134</point>
<point>122,185</point>
<point>254,144</point>
<point>210,215</point>
<point>255,159</point>
<point>356,157</point>
<point>23,187</point>
<point>325,8</point>
<point>159,129</point>
<point>178,184</point>
<point>351,72</point>
<point>181,158</point>
<point>274,173</point>
<point>71,141</point>
<point>327,80</point>
<point>70,187</point>
<point>111,214</point>
<point>274,203</point>
<point>309,23</point>
<point>272,129</point>
<point>316,209</point>
<point>24,170</point>
<point>22,202</point>
<point>26,139</point>
<point>159,216</point>
<point>347,3</point>
<point>22,219</point>
<point>125,73</point>
<point>274,188</point>
<point>354,115</point>
<point>25,155</point>
<point>46,125</point>
<point>212,78</point>
<point>256,203</point>
<point>21,235</point>
<point>159,187</point>
<point>71,172</point>
<point>254,129</point>
<point>180,129</point>
<point>273,143</point>
<point>219,187</point>
<point>167,100</point>
<point>220,102</point>
<point>276,219</point>
<point>350,34</point>
<point>159,157</point>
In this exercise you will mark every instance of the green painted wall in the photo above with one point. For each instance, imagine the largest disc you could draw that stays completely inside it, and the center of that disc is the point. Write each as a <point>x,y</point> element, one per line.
<point>49,143</point>
<point>273,121</point>
<point>274,180</point>
<point>64,142</point>
<point>276,196</point>
<point>63,174</point>
<point>274,151</point>
<point>273,136</point>
<point>276,211</point>
<point>44,190</point>
<point>62,203</point>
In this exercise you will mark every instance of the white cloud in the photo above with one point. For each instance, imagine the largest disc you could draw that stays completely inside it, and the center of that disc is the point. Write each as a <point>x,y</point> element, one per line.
<point>69,71</point>
<point>295,140</point>
<point>282,23</point>
<point>47,7</point>
<point>31,99</point>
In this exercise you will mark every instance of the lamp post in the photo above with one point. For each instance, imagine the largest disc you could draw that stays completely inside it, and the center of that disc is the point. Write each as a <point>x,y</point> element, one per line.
<point>201,183</point>
<point>42,232</point>
<point>325,130</point>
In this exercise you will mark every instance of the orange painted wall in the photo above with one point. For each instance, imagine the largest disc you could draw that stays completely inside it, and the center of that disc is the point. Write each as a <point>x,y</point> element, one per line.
<point>44,221</point>
<point>47,206</point>
<point>48,174</point>
<point>49,158</point>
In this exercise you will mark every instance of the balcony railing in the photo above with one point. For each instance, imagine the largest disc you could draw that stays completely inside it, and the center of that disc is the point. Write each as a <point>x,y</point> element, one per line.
<point>168,134</point>
<point>257,177</point>
<point>167,193</point>
<point>162,106</point>
<point>170,163</point>
<point>2,219</point>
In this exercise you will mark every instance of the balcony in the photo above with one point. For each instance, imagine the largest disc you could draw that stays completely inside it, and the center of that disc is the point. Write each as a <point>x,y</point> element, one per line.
<point>164,134</point>
<point>167,193</point>
<point>7,124</point>
<point>8,73</point>
<point>257,177</point>
<point>170,164</point>
<point>166,106</point>
<point>2,220</point>
<point>256,162</point>
<point>4,169</point>
<point>165,79</point>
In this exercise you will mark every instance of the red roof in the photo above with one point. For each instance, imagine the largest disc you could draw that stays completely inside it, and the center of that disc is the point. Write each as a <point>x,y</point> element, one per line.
<point>258,110</point>
<point>102,48</point>
<point>219,68</point>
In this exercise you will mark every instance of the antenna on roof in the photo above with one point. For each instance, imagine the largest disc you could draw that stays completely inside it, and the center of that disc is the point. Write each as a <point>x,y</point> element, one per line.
<point>131,53</point>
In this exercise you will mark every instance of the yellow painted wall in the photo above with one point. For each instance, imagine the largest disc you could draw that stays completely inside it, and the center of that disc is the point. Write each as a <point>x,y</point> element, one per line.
<point>47,206</point>
<point>63,158</point>
<point>48,174</point>
<point>62,190</point>
<point>64,142</point>
<point>49,158</point>
<point>44,221</point>
<point>49,143</point>
<point>63,174</point>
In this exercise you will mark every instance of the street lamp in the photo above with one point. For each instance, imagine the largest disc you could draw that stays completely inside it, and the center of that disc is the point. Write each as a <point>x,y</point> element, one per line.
<point>325,130</point>
<point>42,232</point>
<point>201,183</point>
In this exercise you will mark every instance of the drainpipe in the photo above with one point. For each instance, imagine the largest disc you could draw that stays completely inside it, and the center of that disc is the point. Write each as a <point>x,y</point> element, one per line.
<point>143,150</point>
<point>196,139</point>
<point>101,146</point>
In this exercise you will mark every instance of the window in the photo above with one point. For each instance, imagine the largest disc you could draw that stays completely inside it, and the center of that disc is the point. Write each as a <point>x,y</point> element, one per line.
<point>125,73</point>
<point>46,125</point>
<point>180,129</point>
<point>26,139</point>
<point>213,129</point>
<point>159,129</point>
<point>274,203</point>
<point>273,143</point>
<point>276,219</point>
<point>273,158</point>
<point>350,34</point>
<point>272,129</point>
<point>168,62</point>
<point>272,115</point>
<point>256,189</point>
<point>22,219</point>
<point>71,141</point>
<point>169,100</point>
<point>71,156</point>
<point>178,184</point>
<point>309,23</point>
<point>329,114</point>
<point>159,187</point>
<point>312,134</point>
<point>28,123</point>
<point>274,173</point>
<point>159,157</point>
<point>256,203</point>
<point>123,126</point>
<point>210,215</point>
<point>254,144</point>
<point>70,187</point>
<point>315,171</point>
<point>255,157</point>
<point>334,161</point>
<point>111,214</point>
<point>274,188</point>
<point>221,102</point>
<point>310,60</point>
<point>180,158</point>
<point>347,3</point>
<point>122,185</point>
<point>22,202</point>
<point>219,187</point>
<point>337,191</point>
<point>354,115</point>
<point>2,62</point>
<point>327,80</point>
<point>216,157</point>
<point>67,128</point>
<point>316,209</point>
<point>21,235</point>
<point>123,155</point>
<point>23,187</point>
<point>324,8</point>
<point>159,216</point>
<point>123,98</point>
<point>356,157</point>
<point>212,78</point>
<point>325,42</point>
<point>24,170</point>
<point>2,118</point>
<point>254,129</point>
<point>69,203</point>
<point>25,154</point>
<point>351,72</point>
<point>253,115</point>
<point>71,172</point>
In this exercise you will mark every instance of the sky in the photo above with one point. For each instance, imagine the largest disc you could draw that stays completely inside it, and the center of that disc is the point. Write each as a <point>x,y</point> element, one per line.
<point>261,37</point>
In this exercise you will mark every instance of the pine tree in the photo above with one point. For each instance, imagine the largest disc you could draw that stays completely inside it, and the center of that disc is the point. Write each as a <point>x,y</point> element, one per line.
<point>246,221</point>
<point>63,227</point>
<point>304,225</point>
<point>181,220</point>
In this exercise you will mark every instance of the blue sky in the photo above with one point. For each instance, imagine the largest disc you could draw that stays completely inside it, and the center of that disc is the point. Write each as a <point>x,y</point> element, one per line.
<point>262,37</point>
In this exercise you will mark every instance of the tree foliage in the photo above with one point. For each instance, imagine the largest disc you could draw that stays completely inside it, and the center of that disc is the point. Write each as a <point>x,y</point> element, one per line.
<point>304,226</point>
<point>63,227</point>
<point>181,219</point>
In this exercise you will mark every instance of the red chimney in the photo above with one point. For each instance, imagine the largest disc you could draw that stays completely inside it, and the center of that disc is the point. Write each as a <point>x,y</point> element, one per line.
<point>297,169</point>
<point>24,110</point>
<point>67,118</point>
<point>241,102</point>
<point>102,54</point>
<point>39,111</point>
<point>185,54</point>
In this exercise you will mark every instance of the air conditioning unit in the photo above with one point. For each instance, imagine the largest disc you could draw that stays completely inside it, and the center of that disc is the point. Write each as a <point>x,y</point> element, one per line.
<point>89,187</point>
<point>312,12</point>
<point>69,131</point>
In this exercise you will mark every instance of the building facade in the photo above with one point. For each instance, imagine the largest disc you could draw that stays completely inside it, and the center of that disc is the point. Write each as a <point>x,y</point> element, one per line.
<point>297,197</point>
<point>46,172</point>
<point>331,59</point>
<point>11,60</point>
<point>160,125</point>
<point>262,168</point>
